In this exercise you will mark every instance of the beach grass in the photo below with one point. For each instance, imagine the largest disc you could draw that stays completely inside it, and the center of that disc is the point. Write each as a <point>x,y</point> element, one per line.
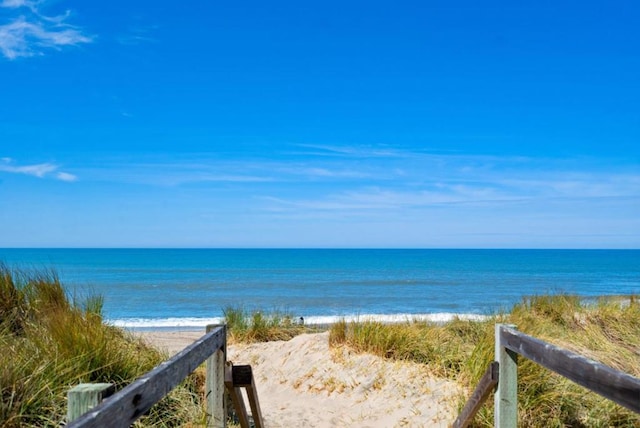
<point>604,329</point>
<point>51,343</point>
<point>260,326</point>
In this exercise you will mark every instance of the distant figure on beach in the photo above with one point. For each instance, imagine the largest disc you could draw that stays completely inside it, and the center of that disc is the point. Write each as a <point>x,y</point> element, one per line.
<point>301,321</point>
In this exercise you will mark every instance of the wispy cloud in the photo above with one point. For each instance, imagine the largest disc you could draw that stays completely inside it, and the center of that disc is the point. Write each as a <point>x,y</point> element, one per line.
<point>137,35</point>
<point>322,172</point>
<point>415,181</point>
<point>350,151</point>
<point>459,177</point>
<point>380,200</point>
<point>163,173</point>
<point>41,170</point>
<point>14,4</point>
<point>65,176</point>
<point>354,184</point>
<point>31,32</point>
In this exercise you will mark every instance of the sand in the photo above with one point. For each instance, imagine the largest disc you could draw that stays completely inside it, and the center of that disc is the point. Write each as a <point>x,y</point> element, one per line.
<point>302,382</point>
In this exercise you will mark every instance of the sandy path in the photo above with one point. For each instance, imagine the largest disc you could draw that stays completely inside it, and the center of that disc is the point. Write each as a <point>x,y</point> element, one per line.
<point>302,382</point>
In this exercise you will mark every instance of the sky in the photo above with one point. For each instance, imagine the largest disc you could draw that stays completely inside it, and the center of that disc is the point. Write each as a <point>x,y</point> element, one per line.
<point>426,124</point>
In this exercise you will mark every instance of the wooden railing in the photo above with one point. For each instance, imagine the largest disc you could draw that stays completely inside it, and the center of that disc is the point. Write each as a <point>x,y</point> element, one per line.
<point>612,384</point>
<point>126,406</point>
<point>89,407</point>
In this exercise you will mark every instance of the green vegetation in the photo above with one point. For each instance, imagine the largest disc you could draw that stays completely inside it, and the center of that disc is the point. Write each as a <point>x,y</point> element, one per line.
<point>51,343</point>
<point>606,330</point>
<point>256,326</point>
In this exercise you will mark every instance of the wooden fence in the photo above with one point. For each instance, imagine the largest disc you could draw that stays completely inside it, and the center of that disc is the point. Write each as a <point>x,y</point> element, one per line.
<point>615,385</point>
<point>89,407</point>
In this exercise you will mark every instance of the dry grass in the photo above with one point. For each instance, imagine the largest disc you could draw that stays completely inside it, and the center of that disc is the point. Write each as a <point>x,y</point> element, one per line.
<point>51,343</point>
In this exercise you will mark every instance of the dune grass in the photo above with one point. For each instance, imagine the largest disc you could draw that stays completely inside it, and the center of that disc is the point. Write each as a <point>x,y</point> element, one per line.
<point>259,326</point>
<point>606,330</point>
<point>51,343</point>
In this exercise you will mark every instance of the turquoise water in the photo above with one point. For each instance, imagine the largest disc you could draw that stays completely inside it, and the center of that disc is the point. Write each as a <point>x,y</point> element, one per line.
<point>155,288</point>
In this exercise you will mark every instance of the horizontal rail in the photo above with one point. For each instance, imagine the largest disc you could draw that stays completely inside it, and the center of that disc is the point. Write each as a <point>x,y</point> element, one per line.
<point>129,404</point>
<point>486,385</point>
<point>610,383</point>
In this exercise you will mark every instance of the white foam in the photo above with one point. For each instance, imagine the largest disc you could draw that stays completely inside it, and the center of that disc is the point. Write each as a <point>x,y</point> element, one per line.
<point>177,323</point>
<point>393,318</point>
<point>164,322</point>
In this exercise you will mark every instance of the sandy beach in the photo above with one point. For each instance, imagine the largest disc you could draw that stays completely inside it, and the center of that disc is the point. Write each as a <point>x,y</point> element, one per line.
<point>302,382</point>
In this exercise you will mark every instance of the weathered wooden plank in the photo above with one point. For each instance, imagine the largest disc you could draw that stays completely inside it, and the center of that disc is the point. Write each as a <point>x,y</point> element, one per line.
<point>486,385</point>
<point>243,377</point>
<point>214,386</point>
<point>81,398</point>
<point>615,385</point>
<point>236,397</point>
<point>127,405</point>
<point>256,414</point>
<point>506,397</point>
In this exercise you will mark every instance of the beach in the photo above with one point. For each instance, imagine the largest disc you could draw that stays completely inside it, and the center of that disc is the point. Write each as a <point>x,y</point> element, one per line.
<point>170,295</point>
<point>304,382</point>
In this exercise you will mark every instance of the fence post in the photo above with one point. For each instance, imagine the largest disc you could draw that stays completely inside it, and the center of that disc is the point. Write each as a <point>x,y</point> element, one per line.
<point>214,385</point>
<point>506,397</point>
<point>85,396</point>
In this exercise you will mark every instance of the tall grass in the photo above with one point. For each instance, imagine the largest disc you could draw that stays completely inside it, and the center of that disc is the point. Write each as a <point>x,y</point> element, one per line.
<point>607,330</point>
<point>50,344</point>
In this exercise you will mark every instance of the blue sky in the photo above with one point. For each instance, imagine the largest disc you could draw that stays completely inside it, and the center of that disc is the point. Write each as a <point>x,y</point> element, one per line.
<point>320,124</point>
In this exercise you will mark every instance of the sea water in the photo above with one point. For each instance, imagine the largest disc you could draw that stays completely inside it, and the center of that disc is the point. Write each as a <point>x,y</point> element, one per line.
<point>189,288</point>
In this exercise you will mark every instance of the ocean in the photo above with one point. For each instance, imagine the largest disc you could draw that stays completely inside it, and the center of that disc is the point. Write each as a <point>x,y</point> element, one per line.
<point>190,288</point>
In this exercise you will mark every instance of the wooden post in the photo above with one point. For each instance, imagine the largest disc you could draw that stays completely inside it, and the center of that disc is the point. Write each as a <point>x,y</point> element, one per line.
<point>214,386</point>
<point>82,398</point>
<point>506,397</point>
<point>486,385</point>
<point>236,397</point>
<point>243,377</point>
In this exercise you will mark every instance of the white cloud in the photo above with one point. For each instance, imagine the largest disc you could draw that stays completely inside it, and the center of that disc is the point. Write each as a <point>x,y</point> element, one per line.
<point>65,176</point>
<point>19,3</point>
<point>32,32</point>
<point>40,170</point>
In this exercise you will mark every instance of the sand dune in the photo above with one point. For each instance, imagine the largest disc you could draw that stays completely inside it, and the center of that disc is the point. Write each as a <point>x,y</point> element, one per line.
<point>302,382</point>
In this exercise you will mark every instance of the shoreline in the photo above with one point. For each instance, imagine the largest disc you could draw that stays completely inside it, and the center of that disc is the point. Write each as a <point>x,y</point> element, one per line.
<point>171,342</point>
<point>319,321</point>
<point>138,324</point>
